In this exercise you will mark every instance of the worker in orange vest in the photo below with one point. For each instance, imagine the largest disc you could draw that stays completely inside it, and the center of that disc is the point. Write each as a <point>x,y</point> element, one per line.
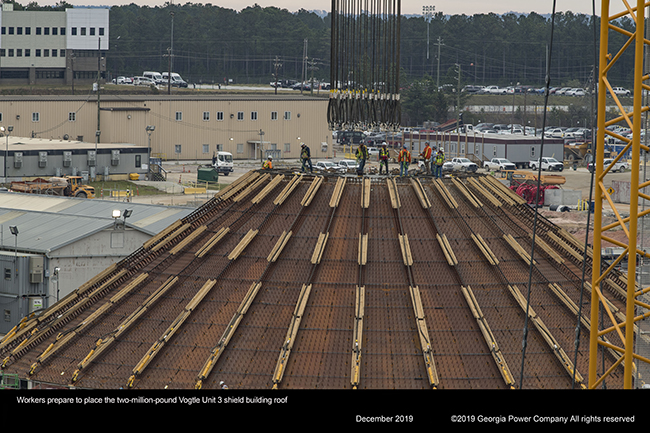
<point>426,156</point>
<point>404,160</point>
<point>268,164</point>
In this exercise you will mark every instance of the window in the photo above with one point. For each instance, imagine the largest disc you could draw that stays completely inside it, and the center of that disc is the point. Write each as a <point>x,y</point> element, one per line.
<point>46,53</point>
<point>101,31</point>
<point>179,116</point>
<point>177,148</point>
<point>3,31</point>
<point>11,52</point>
<point>55,31</point>
<point>37,53</point>
<point>2,52</point>
<point>0,117</point>
<point>287,147</point>
<point>36,117</point>
<point>19,30</point>
<point>7,273</point>
<point>54,53</point>
<point>11,30</point>
<point>19,52</point>
<point>240,148</point>
<point>206,116</point>
<point>138,161</point>
<point>72,116</point>
<point>28,30</point>
<point>274,115</point>
<point>82,31</point>
<point>240,115</point>
<point>92,31</point>
<point>206,148</point>
<point>73,31</point>
<point>253,115</point>
<point>219,147</point>
<point>46,31</point>
<point>28,52</point>
<point>287,115</point>
<point>220,116</point>
<point>62,32</point>
<point>38,30</point>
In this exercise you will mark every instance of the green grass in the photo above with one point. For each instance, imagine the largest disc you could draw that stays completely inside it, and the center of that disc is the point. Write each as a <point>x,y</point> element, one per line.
<point>123,185</point>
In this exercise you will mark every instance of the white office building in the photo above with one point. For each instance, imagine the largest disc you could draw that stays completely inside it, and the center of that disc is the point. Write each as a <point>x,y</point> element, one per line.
<point>41,47</point>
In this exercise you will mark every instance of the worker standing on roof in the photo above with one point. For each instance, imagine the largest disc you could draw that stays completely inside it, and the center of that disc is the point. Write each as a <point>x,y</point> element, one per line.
<point>305,158</point>
<point>404,160</point>
<point>268,164</point>
<point>362,156</point>
<point>439,161</point>
<point>426,156</point>
<point>383,157</point>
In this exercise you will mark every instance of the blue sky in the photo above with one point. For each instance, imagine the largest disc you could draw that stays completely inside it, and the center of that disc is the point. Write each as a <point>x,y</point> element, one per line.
<point>452,7</point>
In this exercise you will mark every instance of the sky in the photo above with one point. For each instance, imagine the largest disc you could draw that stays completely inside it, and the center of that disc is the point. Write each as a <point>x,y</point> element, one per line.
<point>449,7</point>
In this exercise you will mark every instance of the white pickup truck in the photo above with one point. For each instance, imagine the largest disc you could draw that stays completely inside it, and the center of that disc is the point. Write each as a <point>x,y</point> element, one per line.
<point>499,164</point>
<point>550,164</point>
<point>463,164</point>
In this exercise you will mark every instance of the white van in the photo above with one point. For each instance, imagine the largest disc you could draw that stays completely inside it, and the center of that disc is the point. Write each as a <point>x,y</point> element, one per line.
<point>155,76</point>
<point>222,161</point>
<point>176,79</point>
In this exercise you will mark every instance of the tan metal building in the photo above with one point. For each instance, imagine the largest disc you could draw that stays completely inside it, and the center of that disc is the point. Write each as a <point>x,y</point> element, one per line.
<point>186,126</point>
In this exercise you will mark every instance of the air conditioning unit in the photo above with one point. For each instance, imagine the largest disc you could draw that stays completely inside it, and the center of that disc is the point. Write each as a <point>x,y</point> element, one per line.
<point>115,157</point>
<point>18,159</point>
<point>92,158</point>
<point>67,158</point>
<point>36,269</point>
<point>42,159</point>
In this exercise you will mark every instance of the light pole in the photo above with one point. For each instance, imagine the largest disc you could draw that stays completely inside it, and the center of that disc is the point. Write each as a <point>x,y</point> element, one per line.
<point>149,129</point>
<point>6,131</point>
<point>427,12</point>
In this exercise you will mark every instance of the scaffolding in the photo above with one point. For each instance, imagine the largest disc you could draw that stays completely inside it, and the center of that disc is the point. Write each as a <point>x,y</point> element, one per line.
<point>617,329</point>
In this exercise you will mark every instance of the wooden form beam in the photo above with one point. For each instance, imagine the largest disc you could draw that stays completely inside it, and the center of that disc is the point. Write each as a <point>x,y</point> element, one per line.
<point>423,333</point>
<point>227,334</point>
<point>555,347</point>
<point>489,337</point>
<point>357,345</point>
<point>169,332</point>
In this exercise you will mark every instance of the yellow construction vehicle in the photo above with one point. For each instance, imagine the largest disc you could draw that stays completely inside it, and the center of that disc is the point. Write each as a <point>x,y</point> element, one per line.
<point>69,186</point>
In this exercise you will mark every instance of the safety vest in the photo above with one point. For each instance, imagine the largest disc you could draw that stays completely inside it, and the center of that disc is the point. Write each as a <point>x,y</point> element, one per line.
<point>404,156</point>
<point>305,154</point>
<point>427,153</point>
<point>440,158</point>
<point>383,154</point>
<point>267,165</point>
<point>362,152</point>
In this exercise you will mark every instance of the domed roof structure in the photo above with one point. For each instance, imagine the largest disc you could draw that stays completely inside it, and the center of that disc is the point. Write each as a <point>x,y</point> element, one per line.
<point>293,281</point>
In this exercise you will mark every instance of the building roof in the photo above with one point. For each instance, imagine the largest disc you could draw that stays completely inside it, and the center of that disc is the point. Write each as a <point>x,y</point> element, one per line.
<point>48,223</point>
<point>293,281</point>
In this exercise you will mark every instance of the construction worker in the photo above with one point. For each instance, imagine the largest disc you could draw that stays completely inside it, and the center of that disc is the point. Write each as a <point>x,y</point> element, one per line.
<point>439,161</point>
<point>383,157</point>
<point>404,160</point>
<point>426,156</point>
<point>268,164</point>
<point>362,156</point>
<point>305,158</point>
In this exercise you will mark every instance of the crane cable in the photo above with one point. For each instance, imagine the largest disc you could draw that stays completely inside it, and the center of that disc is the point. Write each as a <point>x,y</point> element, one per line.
<point>539,177</point>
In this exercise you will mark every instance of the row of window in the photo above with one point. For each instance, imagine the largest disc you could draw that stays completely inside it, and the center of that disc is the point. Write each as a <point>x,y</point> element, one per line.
<point>53,31</point>
<point>27,52</point>
<point>178,148</point>
<point>240,115</point>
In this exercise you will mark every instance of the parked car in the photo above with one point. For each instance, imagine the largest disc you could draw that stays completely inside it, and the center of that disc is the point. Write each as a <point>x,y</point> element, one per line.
<point>550,164</point>
<point>554,133</point>
<point>620,166</point>
<point>176,80</point>
<point>373,151</point>
<point>620,91</point>
<point>327,166</point>
<point>463,164</point>
<point>143,81</point>
<point>499,164</point>
<point>495,90</point>
<point>348,164</point>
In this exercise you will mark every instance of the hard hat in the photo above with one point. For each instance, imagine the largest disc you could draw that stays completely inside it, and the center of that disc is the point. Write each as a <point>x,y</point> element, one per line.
<point>270,157</point>
<point>302,144</point>
<point>384,143</point>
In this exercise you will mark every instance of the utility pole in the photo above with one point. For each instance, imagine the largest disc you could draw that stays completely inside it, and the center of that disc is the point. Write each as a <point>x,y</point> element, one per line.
<point>438,72</point>
<point>312,68</point>
<point>276,65</point>
<point>304,59</point>
<point>427,12</point>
